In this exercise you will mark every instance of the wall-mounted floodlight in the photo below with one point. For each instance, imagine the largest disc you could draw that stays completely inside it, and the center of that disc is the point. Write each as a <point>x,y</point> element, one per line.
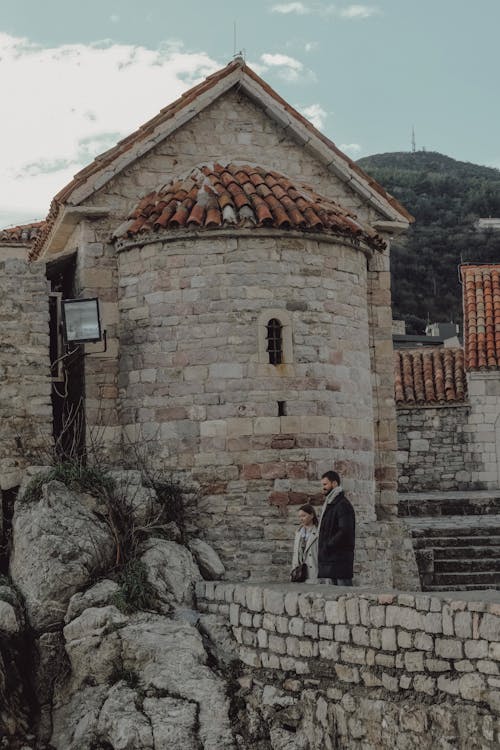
<point>81,320</point>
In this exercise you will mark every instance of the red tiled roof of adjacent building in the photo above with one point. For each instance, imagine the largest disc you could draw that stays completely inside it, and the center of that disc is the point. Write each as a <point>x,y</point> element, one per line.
<point>242,195</point>
<point>24,234</point>
<point>429,376</point>
<point>481,303</point>
<point>147,129</point>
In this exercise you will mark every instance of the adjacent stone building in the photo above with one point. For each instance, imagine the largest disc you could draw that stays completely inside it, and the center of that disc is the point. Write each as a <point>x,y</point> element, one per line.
<point>241,263</point>
<point>448,400</point>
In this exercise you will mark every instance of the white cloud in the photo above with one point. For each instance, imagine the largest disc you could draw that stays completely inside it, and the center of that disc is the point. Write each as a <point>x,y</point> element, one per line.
<point>349,12</point>
<point>310,46</point>
<point>351,149</point>
<point>356,12</point>
<point>285,8</point>
<point>315,114</point>
<point>73,102</point>
<point>288,68</point>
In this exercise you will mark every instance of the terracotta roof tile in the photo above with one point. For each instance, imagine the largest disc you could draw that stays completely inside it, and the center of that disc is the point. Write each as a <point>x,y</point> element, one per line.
<point>481,303</point>
<point>25,234</point>
<point>242,195</point>
<point>148,128</point>
<point>429,376</point>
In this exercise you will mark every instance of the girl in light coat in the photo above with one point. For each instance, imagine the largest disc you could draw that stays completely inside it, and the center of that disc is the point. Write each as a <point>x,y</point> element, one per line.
<point>305,545</point>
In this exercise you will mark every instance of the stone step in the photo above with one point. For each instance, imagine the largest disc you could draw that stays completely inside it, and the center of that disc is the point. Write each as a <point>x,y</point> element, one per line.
<point>444,552</point>
<point>458,542</point>
<point>462,580</point>
<point>463,587</point>
<point>424,505</point>
<point>468,565</point>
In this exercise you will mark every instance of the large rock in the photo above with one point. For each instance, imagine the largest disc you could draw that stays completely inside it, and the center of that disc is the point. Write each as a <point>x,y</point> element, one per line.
<point>58,545</point>
<point>151,686</point>
<point>171,571</point>
<point>142,501</point>
<point>99,595</point>
<point>208,560</point>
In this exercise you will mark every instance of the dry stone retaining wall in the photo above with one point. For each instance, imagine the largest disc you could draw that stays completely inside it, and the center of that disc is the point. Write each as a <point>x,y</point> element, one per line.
<point>368,655</point>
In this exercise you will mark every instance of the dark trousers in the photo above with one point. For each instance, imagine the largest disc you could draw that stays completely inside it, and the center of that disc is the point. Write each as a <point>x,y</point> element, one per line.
<point>336,581</point>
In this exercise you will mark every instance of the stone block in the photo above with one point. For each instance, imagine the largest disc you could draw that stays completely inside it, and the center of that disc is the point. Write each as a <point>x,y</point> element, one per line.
<point>360,636</point>
<point>326,631</point>
<point>262,638</point>
<point>405,639</point>
<point>476,649</point>
<point>329,650</point>
<point>489,628</point>
<point>390,683</point>
<point>388,637</point>
<point>308,649</point>
<point>311,629</point>
<point>282,624</point>
<point>291,604</point>
<point>269,622</point>
<point>423,684</point>
<point>277,644</point>
<point>274,602</point>
<point>296,626</point>
<point>423,642</point>
<point>377,616</point>
<point>342,633</point>
<point>234,614</point>
<point>353,655</point>
<point>472,687</point>
<point>414,661</point>
<point>352,610</point>
<point>254,600</point>
<point>449,648</point>
<point>346,673</point>
<point>448,685</point>
<point>335,612</point>
<point>292,646</point>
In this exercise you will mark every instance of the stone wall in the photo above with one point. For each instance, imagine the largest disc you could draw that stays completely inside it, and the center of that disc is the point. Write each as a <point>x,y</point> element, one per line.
<point>452,447</point>
<point>434,449</point>
<point>381,670</point>
<point>25,403</point>
<point>484,426</point>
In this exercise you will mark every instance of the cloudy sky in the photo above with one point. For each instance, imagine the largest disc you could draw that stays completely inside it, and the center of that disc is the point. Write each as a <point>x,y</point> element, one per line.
<point>78,76</point>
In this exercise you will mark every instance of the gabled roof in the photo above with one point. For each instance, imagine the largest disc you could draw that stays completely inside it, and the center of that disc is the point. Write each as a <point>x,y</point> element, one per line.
<point>109,164</point>
<point>242,195</point>
<point>481,303</point>
<point>428,376</point>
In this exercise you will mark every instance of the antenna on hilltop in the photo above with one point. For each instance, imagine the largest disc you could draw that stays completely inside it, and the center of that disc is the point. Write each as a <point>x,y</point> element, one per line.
<point>234,38</point>
<point>413,142</point>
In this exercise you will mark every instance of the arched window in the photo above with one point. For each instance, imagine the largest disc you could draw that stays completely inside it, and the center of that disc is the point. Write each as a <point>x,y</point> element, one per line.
<point>275,341</point>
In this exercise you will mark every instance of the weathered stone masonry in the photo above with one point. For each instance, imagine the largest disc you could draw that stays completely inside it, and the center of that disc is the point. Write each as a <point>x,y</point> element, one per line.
<point>378,665</point>
<point>25,405</point>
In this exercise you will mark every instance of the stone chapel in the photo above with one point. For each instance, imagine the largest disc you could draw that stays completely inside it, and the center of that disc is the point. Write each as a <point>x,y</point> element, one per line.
<point>241,263</point>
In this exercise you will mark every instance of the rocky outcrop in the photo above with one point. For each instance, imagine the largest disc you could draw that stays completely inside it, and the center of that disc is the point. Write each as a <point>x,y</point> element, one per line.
<point>58,546</point>
<point>150,683</point>
<point>209,562</point>
<point>118,663</point>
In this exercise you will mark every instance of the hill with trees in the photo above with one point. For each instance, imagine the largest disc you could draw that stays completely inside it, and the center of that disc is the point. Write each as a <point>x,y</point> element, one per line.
<point>446,197</point>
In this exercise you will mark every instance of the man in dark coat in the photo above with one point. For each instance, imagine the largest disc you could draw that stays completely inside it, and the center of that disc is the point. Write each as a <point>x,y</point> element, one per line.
<point>336,534</point>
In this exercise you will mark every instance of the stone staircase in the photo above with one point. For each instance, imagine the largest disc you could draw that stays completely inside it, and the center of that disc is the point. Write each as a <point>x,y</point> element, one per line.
<point>456,537</point>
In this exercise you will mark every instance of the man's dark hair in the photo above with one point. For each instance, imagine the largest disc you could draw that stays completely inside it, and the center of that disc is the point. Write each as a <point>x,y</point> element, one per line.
<point>332,476</point>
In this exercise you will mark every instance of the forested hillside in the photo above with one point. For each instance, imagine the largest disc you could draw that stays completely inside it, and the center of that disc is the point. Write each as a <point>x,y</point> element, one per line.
<point>446,197</point>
